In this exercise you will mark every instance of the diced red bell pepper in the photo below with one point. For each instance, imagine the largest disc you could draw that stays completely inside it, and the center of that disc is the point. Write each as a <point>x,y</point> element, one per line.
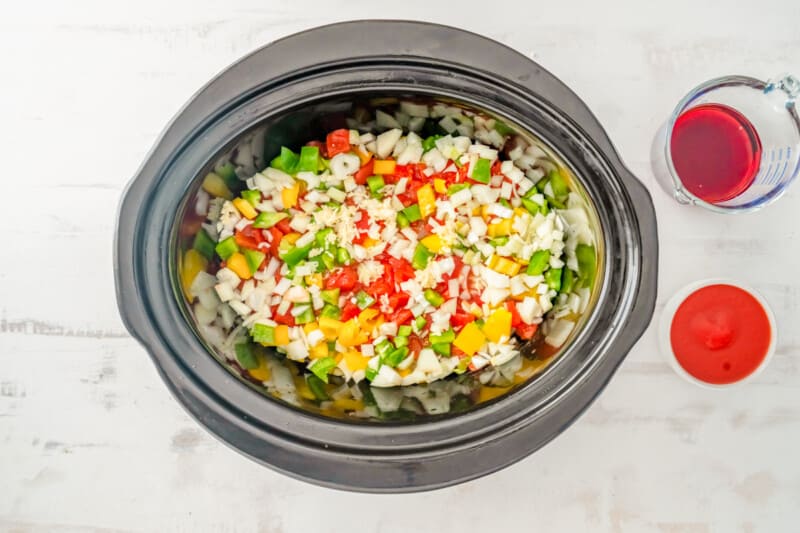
<point>403,316</point>
<point>349,311</point>
<point>495,170</point>
<point>285,319</point>
<point>526,331</point>
<point>274,245</point>
<point>459,320</point>
<point>344,278</point>
<point>249,237</point>
<point>338,142</point>
<point>379,287</point>
<point>364,172</point>
<point>516,320</point>
<point>283,226</point>
<point>398,300</point>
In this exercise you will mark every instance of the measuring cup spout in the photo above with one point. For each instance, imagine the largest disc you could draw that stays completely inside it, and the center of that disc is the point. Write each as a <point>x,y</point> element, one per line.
<point>788,84</point>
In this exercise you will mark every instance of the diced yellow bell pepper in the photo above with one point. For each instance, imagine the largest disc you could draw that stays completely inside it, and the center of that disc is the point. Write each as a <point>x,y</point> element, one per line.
<point>319,351</point>
<point>261,373</point>
<point>314,279</point>
<point>369,242</point>
<point>490,393</point>
<point>351,335</point>
<point>369,319</point>
<point>348,404</point>
<point>238,264</point>
<point>485,211</point>
<point>289,196</point>
<point>478,211</point>
<point>281,335</point>
<point>311,326</point>
<point>364,156</point>
<point>355,361</point>
<point>439,185</point>
<point>493,261</point>
<point>404,372</point>
<point>470,339</point>
<point>432,242</point>
<point>499,229</point>
<point>245,208</point>
<point>426,200</point>
<point>290,238</point>
<point>193,263</point>
<point>214,185</point>
<point>302,388</point>
<point>520,211</point>
<point>506,266</point>
<point>384,166</point>
<point>330,327</point>
<point>498,325</point>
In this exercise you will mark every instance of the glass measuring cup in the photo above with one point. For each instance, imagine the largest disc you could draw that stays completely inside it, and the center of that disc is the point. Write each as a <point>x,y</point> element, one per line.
<point>731,145</point>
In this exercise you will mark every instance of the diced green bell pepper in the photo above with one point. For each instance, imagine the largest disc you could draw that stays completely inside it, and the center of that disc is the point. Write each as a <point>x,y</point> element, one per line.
<point>433,297</point>
<point>429,143</point>
<point>263,334</point>
<point>330,296</point>
<point>404,331</point>
<point>559,185</point>
<point>317,387</point>
<point>286,161</point>
<point>204,244</point>
<point>309,160</point>
<point>383,348</point>
<point>364,300</point>
<point>538,263</point>
<point>306,316</point>
<point>228,173</point>
<point>296,254</point>
<point>530,205</point>
<point>421,257</point>
<point>503,129</point>
<point>553,278</point>
<point>419,323</point>
<point>267,219</point>
<point>396,357</point>
<point>370,373</point>
<point>321,238</point>
<point>245,356</point>
<point>400,341</point>
<point>343,256</point>
<point>567,281</point>
<point>412,213</point>
<point>322,367</point>
<point>252,197</point>
<point>402,220</point>
<point>482,172</point>
<point>445,337</point>
<point>375,184</point>
<point>442,348</point>
<point>587,263</point>
<point>254,259</point>
<point>227,248</point>
<point>498,241</point>
<point>451,190</point>
<point>331,311</point>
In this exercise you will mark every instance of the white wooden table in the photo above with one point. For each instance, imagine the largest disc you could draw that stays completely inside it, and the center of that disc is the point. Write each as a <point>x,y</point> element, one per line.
<point>90,439</point>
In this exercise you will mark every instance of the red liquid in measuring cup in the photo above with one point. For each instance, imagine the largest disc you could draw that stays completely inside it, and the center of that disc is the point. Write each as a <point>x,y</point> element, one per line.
<point>715,151</point>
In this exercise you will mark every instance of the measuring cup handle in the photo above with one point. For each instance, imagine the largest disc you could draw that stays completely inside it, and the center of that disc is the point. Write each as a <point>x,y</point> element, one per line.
<point>787,83</point>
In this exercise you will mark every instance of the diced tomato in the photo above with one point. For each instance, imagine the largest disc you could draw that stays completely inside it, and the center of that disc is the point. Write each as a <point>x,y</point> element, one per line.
<point>403,316</point>
<point>379,287</point>
<point>321,145</point>
<point>526,331</point>
<point>338,142</point>
<point>344,278</point>
<point>401,270</point>
<point>511,305</point>
<point>459,320</point>
<point>409,196</point>
<point>449,177</point>
<point>276,235</point>
<point>285,319</point>
<point>398,300</point>
<point>414,345</point>
<point>363,222</point>
<point>249,237</point>
<point>495,170</point>
<point>284,226</point>
<point>364,172</point>
<point>349,311</point>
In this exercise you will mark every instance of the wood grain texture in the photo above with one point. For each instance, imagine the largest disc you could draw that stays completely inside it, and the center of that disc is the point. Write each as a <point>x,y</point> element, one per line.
<point>90,439</point>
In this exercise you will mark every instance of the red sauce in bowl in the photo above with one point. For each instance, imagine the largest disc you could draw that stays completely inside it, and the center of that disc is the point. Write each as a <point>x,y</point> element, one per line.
<point>720,334</point>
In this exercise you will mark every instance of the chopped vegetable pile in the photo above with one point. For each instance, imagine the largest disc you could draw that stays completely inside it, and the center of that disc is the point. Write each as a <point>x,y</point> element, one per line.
<point>392,258</point>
